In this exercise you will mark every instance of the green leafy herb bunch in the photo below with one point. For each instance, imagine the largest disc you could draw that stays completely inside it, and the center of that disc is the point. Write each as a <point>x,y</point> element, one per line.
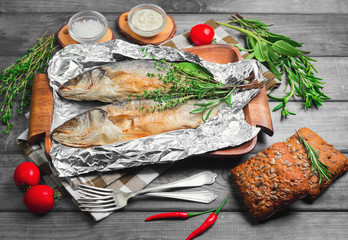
<point>282,56</point>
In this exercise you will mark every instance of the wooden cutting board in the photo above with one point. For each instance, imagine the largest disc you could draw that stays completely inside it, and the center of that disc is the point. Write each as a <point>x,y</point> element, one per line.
<point>256,113</point>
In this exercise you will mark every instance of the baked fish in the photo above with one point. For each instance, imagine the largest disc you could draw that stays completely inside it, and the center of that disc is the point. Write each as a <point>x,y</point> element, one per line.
<point>126,121</point>
<point>115,82</point>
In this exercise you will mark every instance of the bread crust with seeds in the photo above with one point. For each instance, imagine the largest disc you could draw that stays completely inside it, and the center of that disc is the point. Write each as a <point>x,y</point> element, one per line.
<point>270,181</point>
<point>337,163</point>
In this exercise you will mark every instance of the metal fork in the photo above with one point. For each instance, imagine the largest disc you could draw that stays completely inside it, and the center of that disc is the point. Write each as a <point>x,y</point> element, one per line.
<point>95,199</point>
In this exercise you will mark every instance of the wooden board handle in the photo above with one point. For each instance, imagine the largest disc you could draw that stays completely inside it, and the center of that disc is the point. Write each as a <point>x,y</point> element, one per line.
<point>256,112</point>
<point>41,111</point>
<point>259,113</point>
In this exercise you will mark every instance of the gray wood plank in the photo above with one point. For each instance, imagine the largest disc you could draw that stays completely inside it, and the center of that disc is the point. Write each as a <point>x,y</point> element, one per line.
<point>329,121</point>
<point>320,24</point>
<point>333,71</point>
<point>9,140</point>
<point>197,6</point>
<point>11,197</point>
<point>334,199</point>
<point>131,225</point>
<point>322,36</point>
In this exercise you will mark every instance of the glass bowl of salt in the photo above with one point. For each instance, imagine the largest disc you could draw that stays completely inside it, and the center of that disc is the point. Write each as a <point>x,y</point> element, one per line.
<point>87,26</point>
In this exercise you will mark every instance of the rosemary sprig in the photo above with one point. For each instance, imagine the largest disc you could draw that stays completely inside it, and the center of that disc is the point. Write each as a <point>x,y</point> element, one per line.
<point>16,80</point>
<point>317,166</point>
<point>280,54</point>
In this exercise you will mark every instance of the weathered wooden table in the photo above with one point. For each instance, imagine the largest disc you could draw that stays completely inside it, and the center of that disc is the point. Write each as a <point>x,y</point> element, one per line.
<point>322,25</point>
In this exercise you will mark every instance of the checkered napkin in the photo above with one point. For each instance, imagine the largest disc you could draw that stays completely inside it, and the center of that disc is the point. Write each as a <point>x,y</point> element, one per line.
<point>127,179</point>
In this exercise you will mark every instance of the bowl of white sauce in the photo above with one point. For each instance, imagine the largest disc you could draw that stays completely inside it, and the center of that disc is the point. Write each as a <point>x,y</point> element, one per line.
<point>87,26</point>
<point>147,20</point>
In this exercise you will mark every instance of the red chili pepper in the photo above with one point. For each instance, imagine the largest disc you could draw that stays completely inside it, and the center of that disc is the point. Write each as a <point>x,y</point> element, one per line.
<point>207,223</point>
<point>183,215</point>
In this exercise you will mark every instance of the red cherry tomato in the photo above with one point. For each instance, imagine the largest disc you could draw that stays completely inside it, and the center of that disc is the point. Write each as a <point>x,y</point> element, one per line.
<point>39,199</point>
<point>202,34</point>
<point>26,174</point>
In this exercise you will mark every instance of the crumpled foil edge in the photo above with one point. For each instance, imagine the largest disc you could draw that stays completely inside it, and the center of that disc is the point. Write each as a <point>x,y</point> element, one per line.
<point>228,129</point>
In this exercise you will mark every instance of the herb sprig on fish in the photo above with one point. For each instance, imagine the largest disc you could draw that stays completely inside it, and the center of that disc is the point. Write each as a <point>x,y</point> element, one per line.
<point>189,81</point>
<point>169,84</point>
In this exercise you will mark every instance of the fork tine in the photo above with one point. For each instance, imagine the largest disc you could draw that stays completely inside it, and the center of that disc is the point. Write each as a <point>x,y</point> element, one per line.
<point>97,206</point>
<point>86,195</point>
<point>100,210</point>
<point>96,200</point>
<point>103,190</point>
<point>92,193</point>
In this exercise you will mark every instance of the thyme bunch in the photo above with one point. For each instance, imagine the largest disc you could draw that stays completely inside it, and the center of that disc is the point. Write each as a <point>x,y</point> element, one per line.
<point>317,166</point>
<point>282,57</point>
<point>185,81</point>
<point>16,80</point>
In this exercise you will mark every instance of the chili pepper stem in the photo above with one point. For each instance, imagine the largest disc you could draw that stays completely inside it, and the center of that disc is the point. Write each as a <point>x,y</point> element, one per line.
<point>200,213</point>
<point>208,222</point>
<point>222,204</point>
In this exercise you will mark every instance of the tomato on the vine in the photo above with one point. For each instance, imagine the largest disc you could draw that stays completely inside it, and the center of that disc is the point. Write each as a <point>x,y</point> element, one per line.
<point>202,34</point>
<point>27,174</point>
<point>39,199</point>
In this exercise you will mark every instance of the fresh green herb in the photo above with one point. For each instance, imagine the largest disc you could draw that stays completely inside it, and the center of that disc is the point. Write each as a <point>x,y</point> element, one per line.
<point>187,81</point>
<point>16,80</point>
<point>317,166</point>
<point>282,56</point>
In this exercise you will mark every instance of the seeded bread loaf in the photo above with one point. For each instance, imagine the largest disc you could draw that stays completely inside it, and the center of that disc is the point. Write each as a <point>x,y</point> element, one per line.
<point>270,181</point>
<point>337,163</point>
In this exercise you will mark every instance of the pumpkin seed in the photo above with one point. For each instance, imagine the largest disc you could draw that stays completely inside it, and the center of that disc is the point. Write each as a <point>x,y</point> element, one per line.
<point>273,176</point>
<point>272,161</point>
<point>274,197</point>
<point>257,193</point>
<point>260,167</point>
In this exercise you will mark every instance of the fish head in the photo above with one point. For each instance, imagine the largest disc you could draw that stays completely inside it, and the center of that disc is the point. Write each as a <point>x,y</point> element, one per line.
<point>78,131</point>
<point>81,84</point>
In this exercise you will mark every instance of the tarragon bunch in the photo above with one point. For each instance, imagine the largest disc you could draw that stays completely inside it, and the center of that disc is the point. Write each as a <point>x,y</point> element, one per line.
<point>282,56</point>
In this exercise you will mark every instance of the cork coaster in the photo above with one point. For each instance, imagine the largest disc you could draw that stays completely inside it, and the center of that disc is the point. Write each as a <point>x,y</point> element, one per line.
<point>167,33</point>
<point>64,38</point>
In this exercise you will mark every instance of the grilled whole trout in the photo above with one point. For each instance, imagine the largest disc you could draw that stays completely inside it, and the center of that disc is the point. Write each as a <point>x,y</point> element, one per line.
<point>125,121</point>
<point>115,82</point>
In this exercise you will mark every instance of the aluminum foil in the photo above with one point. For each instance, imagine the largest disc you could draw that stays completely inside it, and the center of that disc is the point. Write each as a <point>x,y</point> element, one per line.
<point>228,129</point>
